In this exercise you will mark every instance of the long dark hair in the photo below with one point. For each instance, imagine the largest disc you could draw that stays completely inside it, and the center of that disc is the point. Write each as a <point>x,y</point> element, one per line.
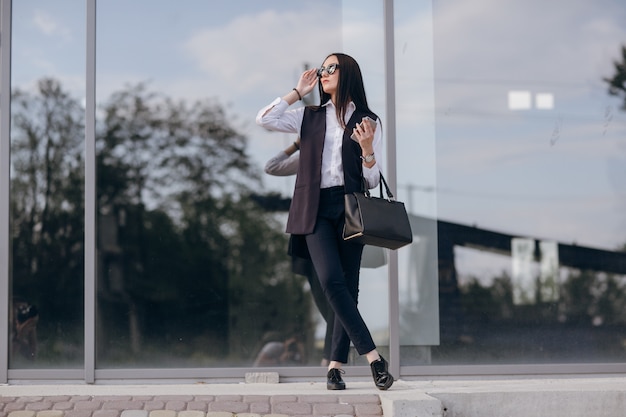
<point>349,87</point>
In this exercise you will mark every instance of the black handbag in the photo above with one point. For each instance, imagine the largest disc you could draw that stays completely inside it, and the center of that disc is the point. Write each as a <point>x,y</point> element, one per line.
<point>376,221</point>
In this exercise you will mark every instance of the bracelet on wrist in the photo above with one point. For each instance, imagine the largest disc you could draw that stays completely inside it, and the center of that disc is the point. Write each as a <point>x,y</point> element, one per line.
<point>298,93</point>
<point>295,145</point>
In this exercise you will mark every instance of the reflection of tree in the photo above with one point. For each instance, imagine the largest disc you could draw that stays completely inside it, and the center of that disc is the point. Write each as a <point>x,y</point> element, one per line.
<point>617,87</point>
<point>187,262</point>
<point>47,203</point>
<point>617,84</point>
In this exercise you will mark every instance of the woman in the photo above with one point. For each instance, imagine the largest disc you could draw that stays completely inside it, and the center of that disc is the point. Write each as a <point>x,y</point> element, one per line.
<point>332,164</point>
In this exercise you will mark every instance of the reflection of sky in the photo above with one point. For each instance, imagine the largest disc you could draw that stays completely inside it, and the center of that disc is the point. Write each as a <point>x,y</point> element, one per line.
<point>557,174</point>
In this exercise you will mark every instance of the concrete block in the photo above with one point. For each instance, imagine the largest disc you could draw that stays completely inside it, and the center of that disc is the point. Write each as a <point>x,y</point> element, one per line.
<point>262,378</point>
<point>410,404</point>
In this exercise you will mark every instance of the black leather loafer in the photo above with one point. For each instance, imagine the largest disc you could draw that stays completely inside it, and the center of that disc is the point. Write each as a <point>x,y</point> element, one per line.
<point>334,379</point>
<point>382,378</point>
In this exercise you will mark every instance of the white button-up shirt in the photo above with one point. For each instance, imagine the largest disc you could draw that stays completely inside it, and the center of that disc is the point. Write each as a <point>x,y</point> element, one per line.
<point>275,116</point>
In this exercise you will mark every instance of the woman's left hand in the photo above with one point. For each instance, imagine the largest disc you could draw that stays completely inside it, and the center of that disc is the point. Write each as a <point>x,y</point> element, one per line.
<point>364,133</point>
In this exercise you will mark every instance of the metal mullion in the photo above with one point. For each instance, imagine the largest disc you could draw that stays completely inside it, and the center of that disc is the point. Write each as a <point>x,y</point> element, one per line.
<point>5,184</point>
<point>390,140</point>
<point>90,195</point>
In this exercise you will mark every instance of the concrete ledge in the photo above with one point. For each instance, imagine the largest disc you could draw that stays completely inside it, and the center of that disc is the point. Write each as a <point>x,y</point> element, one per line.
<point>566,397</point>
<point>536,404</point>
<point>410,404</point>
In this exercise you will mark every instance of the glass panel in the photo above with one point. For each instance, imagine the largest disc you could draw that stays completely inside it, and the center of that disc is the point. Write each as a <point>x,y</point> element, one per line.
<point>530,167</point>
<point>47,199</point>
<point>192,262</point>
<point>417,280</point>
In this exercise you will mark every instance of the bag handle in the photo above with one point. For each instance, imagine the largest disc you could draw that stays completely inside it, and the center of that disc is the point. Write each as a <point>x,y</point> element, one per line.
<point>390,196</point>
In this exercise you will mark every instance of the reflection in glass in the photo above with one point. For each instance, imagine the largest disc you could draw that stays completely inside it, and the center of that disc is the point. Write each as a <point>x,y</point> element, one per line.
<point>530,212</point>
<point>47,199</point>
<point>192,263</point>
<point>418,282</point>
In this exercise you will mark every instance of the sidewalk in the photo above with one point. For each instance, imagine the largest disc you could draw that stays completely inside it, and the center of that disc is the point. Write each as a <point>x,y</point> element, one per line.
<point>193,400</point>
<point>555,397</point>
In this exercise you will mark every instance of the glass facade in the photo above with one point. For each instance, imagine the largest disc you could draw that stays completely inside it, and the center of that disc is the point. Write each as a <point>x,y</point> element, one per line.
<point>504,127</point>
<point>47,185</point>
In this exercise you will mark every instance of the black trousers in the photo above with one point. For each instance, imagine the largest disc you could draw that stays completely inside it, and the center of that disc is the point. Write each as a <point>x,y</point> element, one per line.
<point>337,263</point>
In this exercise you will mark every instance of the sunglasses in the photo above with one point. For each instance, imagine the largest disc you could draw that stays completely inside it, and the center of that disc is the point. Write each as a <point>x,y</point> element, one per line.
<point>329,69</point>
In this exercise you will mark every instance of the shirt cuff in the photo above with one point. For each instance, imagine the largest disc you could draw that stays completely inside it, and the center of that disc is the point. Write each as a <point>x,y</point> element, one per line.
<point>371,175</point>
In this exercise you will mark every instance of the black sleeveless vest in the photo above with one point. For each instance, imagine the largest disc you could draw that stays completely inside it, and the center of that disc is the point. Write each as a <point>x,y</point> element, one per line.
<point>304,205</point>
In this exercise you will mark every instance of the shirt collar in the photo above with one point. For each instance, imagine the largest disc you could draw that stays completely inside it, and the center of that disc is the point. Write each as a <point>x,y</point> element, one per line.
<point>351,105</point>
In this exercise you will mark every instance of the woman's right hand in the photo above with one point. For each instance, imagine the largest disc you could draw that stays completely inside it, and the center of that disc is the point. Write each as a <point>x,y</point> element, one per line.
<point>307,81</point>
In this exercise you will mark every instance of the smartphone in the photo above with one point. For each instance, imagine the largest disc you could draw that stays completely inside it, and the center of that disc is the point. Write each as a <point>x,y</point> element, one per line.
<point>372,123</point>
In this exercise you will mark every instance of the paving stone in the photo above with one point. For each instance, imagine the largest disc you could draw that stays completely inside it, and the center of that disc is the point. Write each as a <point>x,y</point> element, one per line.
<point>364,398</point>
<point>58,398</point>
<point>176,405</point>
<point>162,413</point>
<point>30,399</point>
<point>167,398</point>
<point>260,408</point>
<point>106,413</point>
<point>50,413</point>
<point>107,398</point>
<point>121,405</point>
<point>22,413</point>
<point>369,409</point>
<point>10,407</point>
<point>332,409</point>
<point>78,413</point>
<point>318,399</point>
<point>191,413</point>
<point>197,406</point>
<point>293,408</point>
<point>205,398</point>
<point>283,399</point>
<point>63,405</point>
<point>229,406</point>
<point>256,398</point>
<point>153,405</point>
<point>134,413</point>
<point>39,406</point>
<point>76,398</point>
<point>87,405</point>
<point>219,414</point>
<point>229,398</point>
